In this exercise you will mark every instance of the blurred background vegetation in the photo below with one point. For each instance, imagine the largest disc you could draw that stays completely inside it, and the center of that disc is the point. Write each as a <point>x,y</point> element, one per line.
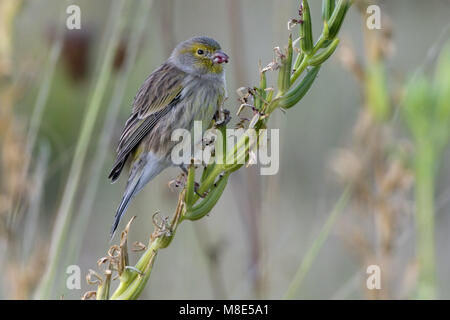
<point>349,130</point>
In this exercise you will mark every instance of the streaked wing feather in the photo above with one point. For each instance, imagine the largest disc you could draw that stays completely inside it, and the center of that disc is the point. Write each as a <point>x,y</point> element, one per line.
<point>140,129</point>
<point>159,93</point>
<point>158,90</point>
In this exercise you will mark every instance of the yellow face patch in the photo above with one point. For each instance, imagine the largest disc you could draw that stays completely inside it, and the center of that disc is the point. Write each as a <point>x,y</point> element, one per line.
<point>203,54</point>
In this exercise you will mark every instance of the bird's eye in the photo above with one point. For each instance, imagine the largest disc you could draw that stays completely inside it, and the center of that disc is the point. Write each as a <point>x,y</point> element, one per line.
<point>200,52</point>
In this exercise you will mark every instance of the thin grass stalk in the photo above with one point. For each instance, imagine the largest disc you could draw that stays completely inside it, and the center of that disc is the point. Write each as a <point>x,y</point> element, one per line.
<point>426,111</point>
<point>39,107</point>
<point>249,203</point>
<point>103,144</point>
<point>36,198</point>
<point>424,216</point>
<point>211,253</point>
<point>313,251</point>
<point>63,217</point>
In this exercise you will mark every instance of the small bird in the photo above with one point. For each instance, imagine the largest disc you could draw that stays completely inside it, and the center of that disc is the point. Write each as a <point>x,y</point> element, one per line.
<point>189,86</point>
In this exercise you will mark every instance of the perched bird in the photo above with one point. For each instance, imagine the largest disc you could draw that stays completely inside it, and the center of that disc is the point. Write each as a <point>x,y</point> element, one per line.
<point>189,86</point>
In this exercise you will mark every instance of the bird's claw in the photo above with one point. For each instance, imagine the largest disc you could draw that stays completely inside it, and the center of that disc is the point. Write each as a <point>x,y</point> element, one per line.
<point>222,121</point>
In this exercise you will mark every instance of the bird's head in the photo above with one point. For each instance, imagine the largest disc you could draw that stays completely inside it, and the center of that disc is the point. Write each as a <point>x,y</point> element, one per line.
<point>199,56</point>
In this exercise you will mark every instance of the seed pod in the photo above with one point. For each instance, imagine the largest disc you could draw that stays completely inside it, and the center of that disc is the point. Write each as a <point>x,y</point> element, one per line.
<point>327,9</point>
<point>189,199</point>
<point>337,18</point>
<point>261,93</point>
<point>269,92</point>
<point>206,205</point>
<point>306,36</point>
<point>321,57</point>
<point>287,74</point>
<point>295,94</point>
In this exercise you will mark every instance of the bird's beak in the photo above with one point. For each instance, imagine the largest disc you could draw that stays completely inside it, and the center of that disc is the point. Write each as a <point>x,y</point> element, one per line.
<point>219,57</point>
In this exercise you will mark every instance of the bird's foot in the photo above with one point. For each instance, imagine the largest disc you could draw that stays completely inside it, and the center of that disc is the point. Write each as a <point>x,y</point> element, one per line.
<point>222,120</point>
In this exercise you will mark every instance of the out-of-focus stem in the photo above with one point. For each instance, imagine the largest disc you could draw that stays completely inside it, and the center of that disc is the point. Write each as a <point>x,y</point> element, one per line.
<point>424,172</point>
<point>63,217</point>
<point>38,110</point>
<point>103,144</point>
<point>311,254</point>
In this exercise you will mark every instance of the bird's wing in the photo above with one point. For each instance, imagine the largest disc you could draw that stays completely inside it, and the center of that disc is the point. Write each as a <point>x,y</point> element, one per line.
<point>156,97</point>
<point>158,90</point>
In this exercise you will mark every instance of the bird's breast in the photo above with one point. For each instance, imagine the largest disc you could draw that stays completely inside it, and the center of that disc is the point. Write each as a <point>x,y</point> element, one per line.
<point>202,98</point>
<point>199,100</point>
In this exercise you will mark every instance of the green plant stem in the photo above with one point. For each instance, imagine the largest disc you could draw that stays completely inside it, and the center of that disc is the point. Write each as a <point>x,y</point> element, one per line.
<point>300,69</point>
<point>209,181</point>
<point>206,205</point>
<point>63,217</point>
<point>132,287</point>
<point>132,283</point>
<point>424,173</point>
<point>313,251</point>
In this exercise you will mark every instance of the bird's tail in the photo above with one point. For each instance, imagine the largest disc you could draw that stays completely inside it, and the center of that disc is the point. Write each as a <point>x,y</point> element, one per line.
<point>131,190</point>
<point>142,171</point>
